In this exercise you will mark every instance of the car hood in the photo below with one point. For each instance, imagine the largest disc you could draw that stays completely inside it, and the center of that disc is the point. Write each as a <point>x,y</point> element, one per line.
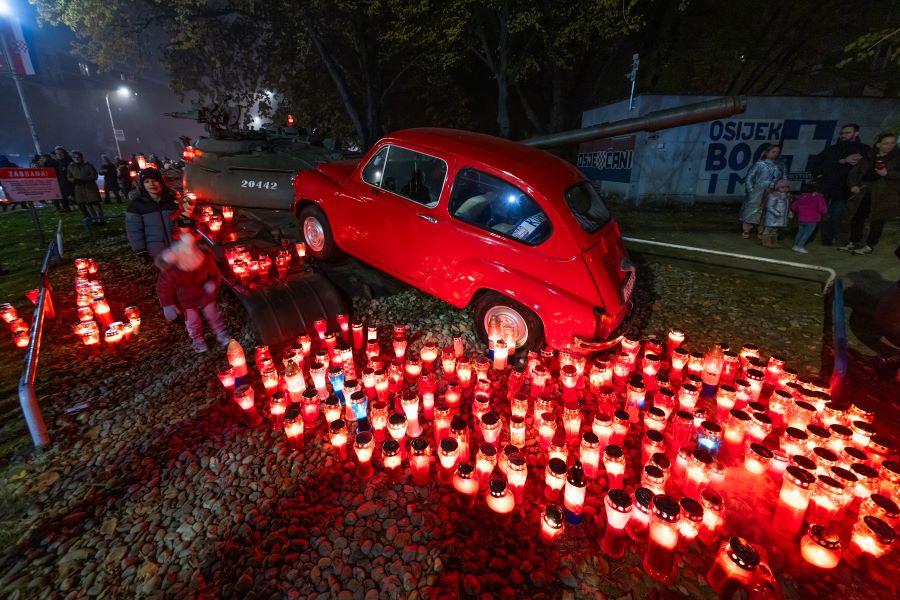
<point>338,170</point>
<point>610,266</point>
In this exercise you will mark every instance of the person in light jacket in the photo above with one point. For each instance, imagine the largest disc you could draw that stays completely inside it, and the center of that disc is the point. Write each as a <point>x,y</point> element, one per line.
<point>150,215</point>
<point>759,182</point>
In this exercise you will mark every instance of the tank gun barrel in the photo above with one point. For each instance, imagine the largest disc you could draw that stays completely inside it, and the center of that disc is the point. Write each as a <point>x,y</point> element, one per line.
<point>666,118</point>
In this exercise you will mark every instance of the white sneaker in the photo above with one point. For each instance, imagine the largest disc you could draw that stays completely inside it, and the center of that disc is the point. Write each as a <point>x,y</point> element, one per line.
<point>223,337</point>
<point>848,248</point>
<point>200,346</point>
<point>800,249</point>
<point>864,250</point>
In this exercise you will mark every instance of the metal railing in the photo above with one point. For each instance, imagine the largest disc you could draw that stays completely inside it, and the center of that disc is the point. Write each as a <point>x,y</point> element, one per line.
<point>27,397</point>
<point>833,289</point>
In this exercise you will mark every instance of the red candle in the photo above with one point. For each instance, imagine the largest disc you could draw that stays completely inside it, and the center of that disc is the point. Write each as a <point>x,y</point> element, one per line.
<point>552,524</point>
<point>614,463</point>
<point>870,539</point>
<point>659,562</point>
<point>485,462</point>
<point>517,431</point>
<point>391,460</point>
<point>713,507</point>
<point>516,475</point>
<point>546,428</point>
<point>821,547</point>
<point>618,509</point>
<point>734,567</point>
<point>364,446</point>
<point>465,482</point>
<point>574,492</point>
<point>554,479</point>
<point>459,430</point>
<point>226,377</point>
<point>826,500</point>
<point>590,454</point>
<point>639,523</point>
<point>572,422</point>
<point>500,500</point>
<point>490,427</point>
<point>793,500</point>
<point>311,406</point>
<point>448,455</point>
<point>337,433</point>
<point>293,428</point>
<point>396,427</point>
<point>420,461</point>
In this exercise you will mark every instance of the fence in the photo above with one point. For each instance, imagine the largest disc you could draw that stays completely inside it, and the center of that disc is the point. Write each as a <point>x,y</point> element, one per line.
<point>27,398</point>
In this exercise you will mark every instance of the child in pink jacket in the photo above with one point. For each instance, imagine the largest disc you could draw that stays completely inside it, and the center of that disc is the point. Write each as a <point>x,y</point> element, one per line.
<point>810,207</point>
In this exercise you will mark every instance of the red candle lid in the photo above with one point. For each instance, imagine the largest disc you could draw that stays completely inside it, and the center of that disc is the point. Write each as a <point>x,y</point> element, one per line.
<point>890,508</point>
<point>554,516</point>
<point>621,415</point>
<point>517,460</point>
<point>805,405</point>
<point>818,431</point>
<point>761,418</point>
<point>557,466</point>
<point>619,499</point>
<point>654,436</point>
<point>660,460</point>
<point>337,426</point>
<point>761,451</point>
<point>490,418</point>
<point>614,452</point>
<point>590,438</point>
<point>712,500</point>
<point>841,431</point>
<point>800,477</point>
<point>843,475</point>
<point>364,438</point>
<point>702,456</point>
<point>824,537</point>
<point>487,449</point>
<point>653,472</point>
<point>449,445</point>
<point>465,470</point>
<point>576,475</point>
<point>666,508</point>
<point>798,460</point>
<point>882,444</point>
<point>391,447</point>
<point>830,483</point>
<point>743,553</point>
<point>796,434</point>
<point>891,466</point>
<point>419,445</point>
<point>692,509</point>
<point>497,486</point>
<point>397,419</point>
<point>825,454</point>
<point>603,419</point>
<point>738,414</point>
<point>643,497</point>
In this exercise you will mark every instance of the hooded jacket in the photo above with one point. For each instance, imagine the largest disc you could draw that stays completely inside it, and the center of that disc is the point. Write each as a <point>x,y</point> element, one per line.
<point>149,223</point>
<point>885,190</point>
<point>83,176</point>
<point>182,285</point>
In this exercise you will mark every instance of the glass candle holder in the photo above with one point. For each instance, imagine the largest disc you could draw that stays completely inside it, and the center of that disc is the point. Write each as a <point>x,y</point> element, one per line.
<point>337,434</point>
<point>735,566</point>
<point>568,377</point>
<point>459,430</point>
<point>546,428</point>
<point>465,482</point>
<point>652,442</point>
<point>602,427</point>
<point>866,482</point>
<point>824,459</point>
<point>821,547</point>
<point>793,501</point>
<point>311,406</point>
<point>518,405</point>
<point>378,418</point>
<point>501,354</point>
<point>870,539</point>
<point>358,404</point>
<point>697,472</point>
<point>840,437</point>
<point>589,454</point>
<point>481,405</point>
<point>409,401</point>
<point>485,462</point>
<point>558,447</point>
<point>517,431</point>
<point>826,500</point>
<point>889,474</point>
<point>862,433</point>
<point>552,524</point>
<point>861,412</point>
<point>695,363</point>
<point>880,448</point>
<point>420,461</point>
<point>364,446</point>
<point>428,353</point>
<point>682,429</point>
<point>600,375</point>
<point>448,362</point>
<point>278,405</point>
<point>655,419</point>
<point>293,428</point>
<point>539,377</point>
<point>572,422</point>
<point>490,427</point>
<point>755,378</point>
<point>618,508</point>
<point>664,401</point>
<point>757,459</point>
<point>794,441</point>
<point>396,426</point>
<point>317,372</point>
<point>639,523</point>
<point>443,416</point>
<point>759,428</point>
<point>653,478</point>
<point>614,464</point>
<point>621,427</point>
<point>226,377</point>
<point>332,409</point>
<point>659,561</point>
<point>709,437</point>
<point>635,398</point>
<point>453,396</point>
<point>879,505</point>
<point>713,516</point>
<point>817,436</point>
<point>412,369</point>
<point>554,479</point>
<point>687,397</point>
<point>849,480</point>
<point>574,492</point>
<point>500,500</point>
<point>542,405</point>
<point>246,399</point>
<point>690,523</point>
<point>733,435</point>
<point>516,475</point>
<point>679,359</point>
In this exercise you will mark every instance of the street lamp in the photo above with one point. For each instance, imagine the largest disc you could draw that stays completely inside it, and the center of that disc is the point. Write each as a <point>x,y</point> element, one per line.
<point>5,9</point>
<point>123,92</point>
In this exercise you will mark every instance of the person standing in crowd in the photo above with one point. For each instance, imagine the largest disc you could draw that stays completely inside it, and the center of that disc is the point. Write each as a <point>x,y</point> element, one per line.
<point>124,175</point>
<point>830,168</point>
<point>777,211</point>
<point>759,182</point>
<point>150,214</point>
<point>66,188</point>
<point>875,185</point>
<point>810,208</point>
<point>110,180</point>
<point>83,176</point>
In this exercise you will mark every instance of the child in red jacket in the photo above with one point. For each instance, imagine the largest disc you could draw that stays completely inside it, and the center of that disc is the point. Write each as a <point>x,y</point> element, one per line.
<point>188,283</point>
<point>810,207</point>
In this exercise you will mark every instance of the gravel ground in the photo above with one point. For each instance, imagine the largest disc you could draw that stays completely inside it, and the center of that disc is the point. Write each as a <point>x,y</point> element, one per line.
<point>157,487</point>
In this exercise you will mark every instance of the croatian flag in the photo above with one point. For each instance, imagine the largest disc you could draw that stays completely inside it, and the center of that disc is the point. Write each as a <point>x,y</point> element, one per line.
<point>11,30</point>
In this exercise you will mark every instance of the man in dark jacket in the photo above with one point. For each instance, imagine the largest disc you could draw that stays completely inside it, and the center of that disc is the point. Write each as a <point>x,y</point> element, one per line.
<point>831,167</point>
<point>124,174</point>
<point>83,175</point>
<point>66,188</point>
<point>110,180</point>
<point>150,215</point>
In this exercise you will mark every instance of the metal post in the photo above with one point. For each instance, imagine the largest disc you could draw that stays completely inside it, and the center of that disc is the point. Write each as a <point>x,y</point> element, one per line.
<point>635,62</point>
<point>37,225</point>
<point>113,123</point>
<point>18,82</point>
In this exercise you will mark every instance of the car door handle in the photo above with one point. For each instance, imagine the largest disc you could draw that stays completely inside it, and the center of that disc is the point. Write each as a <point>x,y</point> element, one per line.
<point>425,217</point>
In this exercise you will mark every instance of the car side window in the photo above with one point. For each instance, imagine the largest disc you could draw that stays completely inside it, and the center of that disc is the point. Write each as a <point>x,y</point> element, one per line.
<point>414,175</point>
<point>491,203</point>
<point>373,172</point>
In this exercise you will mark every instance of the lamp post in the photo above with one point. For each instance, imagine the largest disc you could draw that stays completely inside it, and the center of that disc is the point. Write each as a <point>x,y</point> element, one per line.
<point>123,92</point>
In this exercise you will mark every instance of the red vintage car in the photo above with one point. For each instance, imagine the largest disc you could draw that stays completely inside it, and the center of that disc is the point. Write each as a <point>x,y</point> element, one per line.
<point>515,232</point>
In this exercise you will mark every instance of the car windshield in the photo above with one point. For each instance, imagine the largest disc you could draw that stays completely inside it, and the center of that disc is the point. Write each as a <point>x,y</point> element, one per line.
<point>587,207</point>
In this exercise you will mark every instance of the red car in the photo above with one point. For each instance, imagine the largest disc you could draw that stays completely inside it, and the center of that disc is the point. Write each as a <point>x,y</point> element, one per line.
<point>515,232</point>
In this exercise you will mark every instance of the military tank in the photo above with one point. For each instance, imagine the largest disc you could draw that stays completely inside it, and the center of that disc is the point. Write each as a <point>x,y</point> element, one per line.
<point>252,169</point>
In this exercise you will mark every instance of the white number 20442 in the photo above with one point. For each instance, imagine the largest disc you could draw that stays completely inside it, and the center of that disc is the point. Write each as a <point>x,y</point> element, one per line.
<point>259,184</point>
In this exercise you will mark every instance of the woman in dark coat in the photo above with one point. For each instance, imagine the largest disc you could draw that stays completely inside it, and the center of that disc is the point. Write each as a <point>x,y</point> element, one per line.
<point>875,185</point>
<point>150,215</point>
<point>83,176</point>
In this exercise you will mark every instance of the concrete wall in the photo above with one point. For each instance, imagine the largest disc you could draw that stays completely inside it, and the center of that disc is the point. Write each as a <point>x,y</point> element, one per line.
<point>707,162</point>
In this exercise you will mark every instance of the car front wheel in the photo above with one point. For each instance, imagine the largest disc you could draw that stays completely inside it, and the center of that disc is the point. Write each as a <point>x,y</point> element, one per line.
<point>526,325</point>
<point>316,232</point>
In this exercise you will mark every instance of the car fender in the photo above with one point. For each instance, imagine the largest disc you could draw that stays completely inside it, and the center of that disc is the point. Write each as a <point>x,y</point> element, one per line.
<point>563,314</point>
<point>314,186</point>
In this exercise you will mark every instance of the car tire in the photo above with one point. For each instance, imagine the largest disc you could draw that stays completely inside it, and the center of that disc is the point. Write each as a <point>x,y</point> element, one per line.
<point>492,303</point>
<point>315,230</point>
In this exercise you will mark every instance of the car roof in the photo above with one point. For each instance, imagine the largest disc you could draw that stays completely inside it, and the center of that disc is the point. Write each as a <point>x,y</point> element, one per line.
<point>537,168</point>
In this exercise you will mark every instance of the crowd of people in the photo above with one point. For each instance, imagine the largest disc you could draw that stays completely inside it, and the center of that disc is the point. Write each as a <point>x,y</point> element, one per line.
<point>853,186</point>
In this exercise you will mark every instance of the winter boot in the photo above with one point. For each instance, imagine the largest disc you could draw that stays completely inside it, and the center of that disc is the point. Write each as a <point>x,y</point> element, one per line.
<point>769,240</point>
<point>199,346</point>
<point>223,337</point>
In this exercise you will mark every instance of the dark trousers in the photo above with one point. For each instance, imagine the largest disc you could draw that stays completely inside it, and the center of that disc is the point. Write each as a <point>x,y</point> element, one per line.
<point>858,224</point>
<point>831,229</point>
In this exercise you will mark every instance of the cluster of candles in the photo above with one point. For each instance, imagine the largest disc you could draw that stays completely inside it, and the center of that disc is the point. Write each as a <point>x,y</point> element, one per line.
<point>255,266</point>
<point>212,220</point>
<point>95,319</point>
<point>17,326</point>
<point>698,419</point>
